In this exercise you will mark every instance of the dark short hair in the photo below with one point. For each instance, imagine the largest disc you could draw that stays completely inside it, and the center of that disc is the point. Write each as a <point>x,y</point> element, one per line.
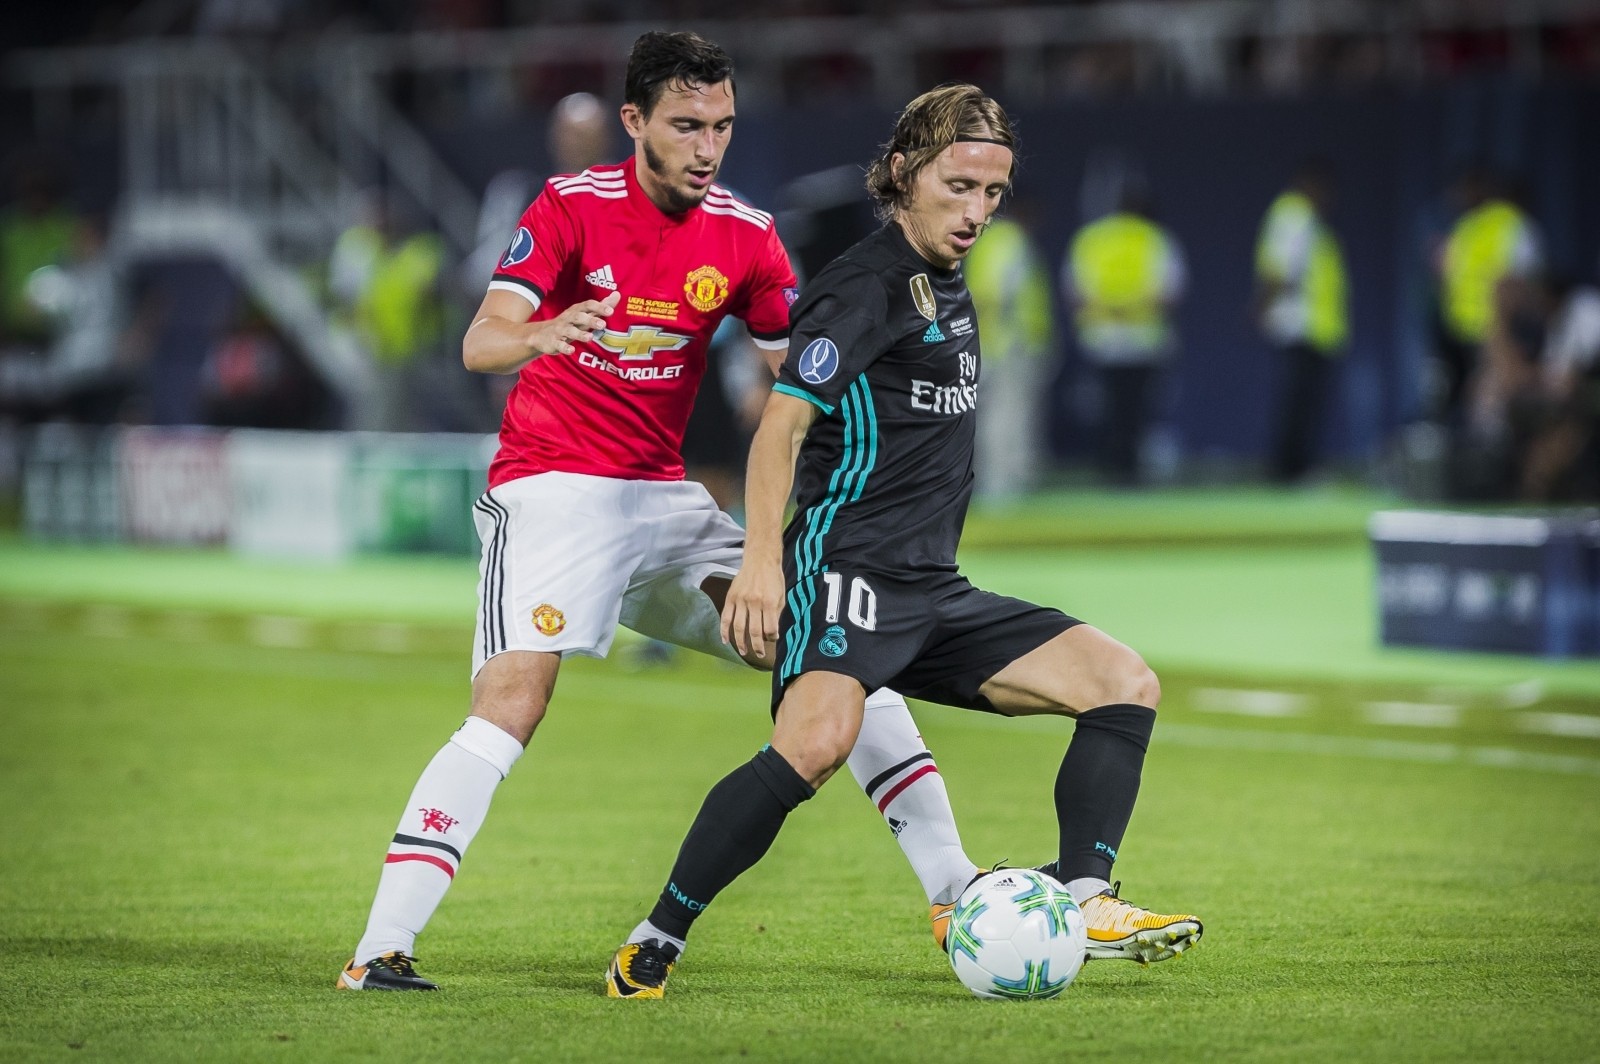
<point>930,124</point>
<point>660,60</point>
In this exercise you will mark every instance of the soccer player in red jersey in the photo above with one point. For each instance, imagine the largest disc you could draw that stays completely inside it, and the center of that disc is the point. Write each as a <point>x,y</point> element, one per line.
<point>603,305</point>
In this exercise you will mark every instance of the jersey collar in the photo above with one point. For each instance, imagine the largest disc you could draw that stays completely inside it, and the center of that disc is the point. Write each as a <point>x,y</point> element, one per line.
<point>898,235</point>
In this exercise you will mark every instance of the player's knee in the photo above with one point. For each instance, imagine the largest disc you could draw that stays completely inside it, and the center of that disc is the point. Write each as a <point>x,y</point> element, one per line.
<point>1128,680</point>
<point>512,692</point>
<point>1146,686</point>
<point>818,753</point>
<point>518,716</point>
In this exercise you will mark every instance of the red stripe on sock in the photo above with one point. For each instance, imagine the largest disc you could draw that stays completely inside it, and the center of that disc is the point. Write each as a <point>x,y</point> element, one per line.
<point>894,792</point>
<point>394,857</point>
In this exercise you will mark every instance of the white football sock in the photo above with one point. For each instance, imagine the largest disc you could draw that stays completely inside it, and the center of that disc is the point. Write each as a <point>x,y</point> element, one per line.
<point>646,931</point>
<point>1085,888</point>
<point>895,769</point>
<point>446,808</point>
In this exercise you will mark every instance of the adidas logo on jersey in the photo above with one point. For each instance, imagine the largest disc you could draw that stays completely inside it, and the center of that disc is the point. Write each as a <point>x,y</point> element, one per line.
<point>933,335</point>
<point>602,278</point>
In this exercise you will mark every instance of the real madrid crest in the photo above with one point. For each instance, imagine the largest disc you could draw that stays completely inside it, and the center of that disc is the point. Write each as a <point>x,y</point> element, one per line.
<point>922,296</point>
<point>833,643</point>
<point>706,288</point>
<point>548,620</point>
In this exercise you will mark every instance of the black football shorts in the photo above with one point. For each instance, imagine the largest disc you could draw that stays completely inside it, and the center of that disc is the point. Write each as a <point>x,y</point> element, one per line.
<point>931,636</point>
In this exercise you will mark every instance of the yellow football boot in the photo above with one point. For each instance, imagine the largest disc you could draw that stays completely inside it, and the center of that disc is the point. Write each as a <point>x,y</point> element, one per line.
<point>640,970</point>
<point>1120,930</point>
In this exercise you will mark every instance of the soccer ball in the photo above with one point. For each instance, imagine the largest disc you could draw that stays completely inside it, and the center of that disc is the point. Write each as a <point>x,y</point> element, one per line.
<point>1016,934</point>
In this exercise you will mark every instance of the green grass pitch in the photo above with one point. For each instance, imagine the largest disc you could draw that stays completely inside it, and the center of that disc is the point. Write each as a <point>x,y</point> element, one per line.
<point>203,759</point>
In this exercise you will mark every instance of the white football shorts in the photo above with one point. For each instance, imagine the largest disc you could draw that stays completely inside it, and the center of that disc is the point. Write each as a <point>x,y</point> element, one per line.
<point>567,557</point>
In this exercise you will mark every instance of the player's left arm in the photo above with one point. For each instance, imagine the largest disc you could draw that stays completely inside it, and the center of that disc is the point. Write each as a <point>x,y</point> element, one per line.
<point>766,309</point>
<point>755,598</point>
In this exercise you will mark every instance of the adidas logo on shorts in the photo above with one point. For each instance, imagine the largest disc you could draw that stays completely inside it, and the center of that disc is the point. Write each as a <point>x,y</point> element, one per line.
<point>602,278</point>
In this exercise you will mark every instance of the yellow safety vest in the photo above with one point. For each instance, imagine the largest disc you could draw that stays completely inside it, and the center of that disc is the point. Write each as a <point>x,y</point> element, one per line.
<point>1327,321</point>
<point>1117,267</point>
<point>1477,255</point>
<point>1010,291</point>
<point>399,311</point>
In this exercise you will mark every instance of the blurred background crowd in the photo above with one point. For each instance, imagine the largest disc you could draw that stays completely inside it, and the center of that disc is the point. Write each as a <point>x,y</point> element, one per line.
<point>1250,239</point>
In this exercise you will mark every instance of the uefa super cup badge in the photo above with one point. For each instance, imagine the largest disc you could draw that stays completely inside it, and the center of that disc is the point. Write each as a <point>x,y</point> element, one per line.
<point>548,620</point>
<point>706,288</point>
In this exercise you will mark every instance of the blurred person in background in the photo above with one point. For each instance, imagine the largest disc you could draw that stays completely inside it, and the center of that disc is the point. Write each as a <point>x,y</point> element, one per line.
<point>603,305</point>
<point>1561,460</point>
<point>88,367</point>
<point>1535,402</point>
<point>726,409</point>
<point>387,277</point>
<point>579,135</point>
<point>1303,310</point>
<point>1010,286</point>
<point>823,214</point>
<point>1123,276</point>
<point>39,229</point>
<point>252,378</point>
<point>1493,239</point>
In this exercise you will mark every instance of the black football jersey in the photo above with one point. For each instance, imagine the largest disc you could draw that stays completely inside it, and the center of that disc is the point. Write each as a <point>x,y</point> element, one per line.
<point>886,346</point>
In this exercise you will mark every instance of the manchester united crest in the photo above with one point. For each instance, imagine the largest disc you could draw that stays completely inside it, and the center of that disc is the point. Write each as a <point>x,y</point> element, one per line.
<point>706,288</point>
<point>548,619</point>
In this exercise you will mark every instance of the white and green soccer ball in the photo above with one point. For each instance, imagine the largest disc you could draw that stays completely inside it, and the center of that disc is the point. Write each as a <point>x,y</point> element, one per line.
<point>1016,934</point>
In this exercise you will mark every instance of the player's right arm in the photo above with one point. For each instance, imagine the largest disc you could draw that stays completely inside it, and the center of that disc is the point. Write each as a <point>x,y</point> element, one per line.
<point>501,339</point>
<point>755,598</point>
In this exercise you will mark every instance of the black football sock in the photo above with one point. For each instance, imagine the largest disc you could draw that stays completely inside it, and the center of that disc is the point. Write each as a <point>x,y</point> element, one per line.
<point>1097,786</point>
<point>735,827</point>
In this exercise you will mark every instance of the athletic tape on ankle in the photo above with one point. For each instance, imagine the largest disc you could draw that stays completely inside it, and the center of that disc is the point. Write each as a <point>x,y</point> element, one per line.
<point>487,742</point>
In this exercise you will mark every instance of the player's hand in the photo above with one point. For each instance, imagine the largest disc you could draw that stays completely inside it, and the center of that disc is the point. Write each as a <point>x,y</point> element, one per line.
<point>578,322</point>
<point>751,609</point>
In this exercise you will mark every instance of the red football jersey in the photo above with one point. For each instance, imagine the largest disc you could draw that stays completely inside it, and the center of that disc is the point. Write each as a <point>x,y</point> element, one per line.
<point>617,406</point>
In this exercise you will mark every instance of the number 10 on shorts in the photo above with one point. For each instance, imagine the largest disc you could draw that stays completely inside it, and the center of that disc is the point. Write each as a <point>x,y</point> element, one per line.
<point>863,610</point>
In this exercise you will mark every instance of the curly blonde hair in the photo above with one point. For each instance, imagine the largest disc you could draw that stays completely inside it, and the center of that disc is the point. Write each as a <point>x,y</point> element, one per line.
<point>929,124</point>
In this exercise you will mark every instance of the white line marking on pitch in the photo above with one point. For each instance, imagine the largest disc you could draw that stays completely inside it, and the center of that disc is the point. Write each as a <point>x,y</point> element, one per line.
<point>1518,695</point>
<point>1250,703</point>
<point>1522,695</point>
<point>1567,725</point>
<point>280,632</point>
<point>1376,749</point>
<point>1412,714</point>
<point>386,637</point>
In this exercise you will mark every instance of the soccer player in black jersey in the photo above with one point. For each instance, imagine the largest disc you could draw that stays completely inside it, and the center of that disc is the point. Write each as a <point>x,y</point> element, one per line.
<point>872,420</point>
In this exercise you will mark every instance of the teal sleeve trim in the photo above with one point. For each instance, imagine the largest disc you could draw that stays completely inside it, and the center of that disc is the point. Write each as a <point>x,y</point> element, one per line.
<point>787,389</point>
